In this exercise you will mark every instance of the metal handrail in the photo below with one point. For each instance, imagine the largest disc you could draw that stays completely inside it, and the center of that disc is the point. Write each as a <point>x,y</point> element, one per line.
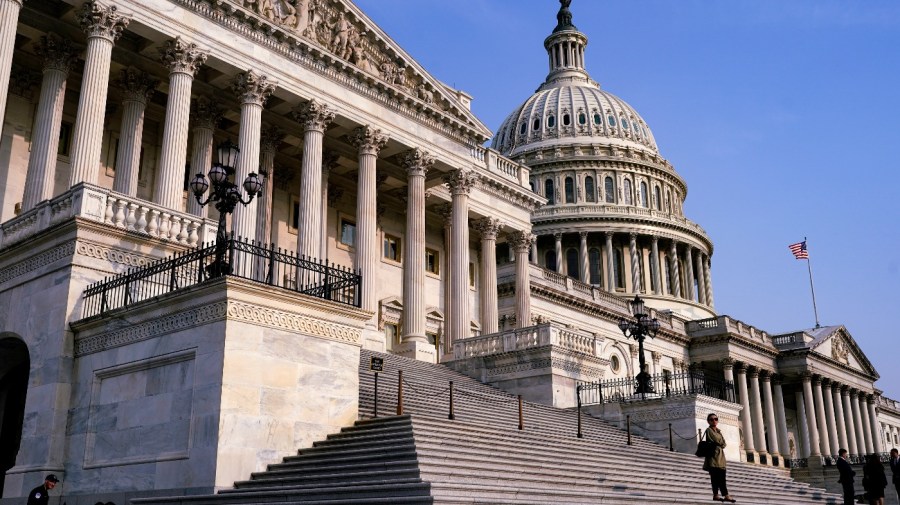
<point>661,386</point>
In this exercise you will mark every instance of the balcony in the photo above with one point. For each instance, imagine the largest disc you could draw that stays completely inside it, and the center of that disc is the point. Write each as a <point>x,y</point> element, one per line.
<point>725,324</point>
<point>542,335</point>
<point>495,163</point>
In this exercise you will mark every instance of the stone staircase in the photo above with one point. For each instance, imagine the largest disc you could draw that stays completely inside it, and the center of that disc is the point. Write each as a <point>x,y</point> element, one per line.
<point>481,457</point>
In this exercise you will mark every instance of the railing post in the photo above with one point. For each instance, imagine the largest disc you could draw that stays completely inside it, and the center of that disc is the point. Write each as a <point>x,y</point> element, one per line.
<point>326,291</point>
<point>400,392</point>
<point>628,427</point>
<point>600,389</point>
<point>376,395</point>
<point>521,421</point>
<point>578,397</point>
<point>671,445</point>
<point>270,277</point>
<point>451,416</point>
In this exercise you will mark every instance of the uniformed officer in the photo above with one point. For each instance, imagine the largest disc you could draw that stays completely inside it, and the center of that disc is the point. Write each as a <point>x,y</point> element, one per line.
<point>40,494</point>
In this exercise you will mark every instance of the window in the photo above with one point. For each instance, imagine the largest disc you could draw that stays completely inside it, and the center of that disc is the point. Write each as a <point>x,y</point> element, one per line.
<point>551,121</point>
<point>391,247</point>
<point>668,202</point>
<point>614,364</point>
<point>550,260</point>
<point>295,213</point>
<point>612,120</point>
<point>582,118</point>
<point>594,266</point>
<point>567,120</point>
<point>625,123</point>
<point>471,275</point>
<point>391,335</point>
<point>629,198</point>
<point>348,232</point>
<point>619,267</point>
<point>644,196</point>
<point>548,191</point>
<point>570,190</point>
<point>610,189</point>
<point>536,125</point>
<point>658,199</point>
<point>65,139</point>
<point>590,192</point>
<point>572,264</point>
<point>432,261</point>
<point>531,184</point>
<point>432,338</point>
<point>597,119</point>
<point>522,128</point>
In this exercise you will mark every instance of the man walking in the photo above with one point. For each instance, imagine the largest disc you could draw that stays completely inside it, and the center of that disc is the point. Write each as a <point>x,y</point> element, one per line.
<point>895,470</point>
<point>40,494</point>
<point>846,479</point>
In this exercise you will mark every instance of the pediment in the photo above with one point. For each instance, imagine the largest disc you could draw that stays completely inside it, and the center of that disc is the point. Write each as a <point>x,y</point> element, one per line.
<point>343,30</point>
<point>840,346</point>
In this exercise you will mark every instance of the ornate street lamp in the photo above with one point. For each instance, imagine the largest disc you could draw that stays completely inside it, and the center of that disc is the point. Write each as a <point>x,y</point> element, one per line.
<point>225,195</point>
<point>638,329</point>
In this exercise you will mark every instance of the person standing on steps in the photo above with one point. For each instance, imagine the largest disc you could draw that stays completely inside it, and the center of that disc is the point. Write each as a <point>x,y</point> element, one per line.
<point>846,479</point>
<point>874,480</point>
<point>895,470</point>
<point>41,494</point>
<point>715,464</point>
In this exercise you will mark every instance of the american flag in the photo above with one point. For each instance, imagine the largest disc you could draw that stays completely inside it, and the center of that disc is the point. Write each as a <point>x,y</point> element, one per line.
<point>799,250</point>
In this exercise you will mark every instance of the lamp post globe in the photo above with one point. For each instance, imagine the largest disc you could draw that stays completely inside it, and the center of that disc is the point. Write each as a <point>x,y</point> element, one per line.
<point>639,328</point>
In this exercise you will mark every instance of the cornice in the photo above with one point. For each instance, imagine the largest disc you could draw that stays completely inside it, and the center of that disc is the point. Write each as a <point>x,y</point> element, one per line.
<point>514,194</point>
<point>808,353</point>
<point>729,338</point>
<point>593,221</point>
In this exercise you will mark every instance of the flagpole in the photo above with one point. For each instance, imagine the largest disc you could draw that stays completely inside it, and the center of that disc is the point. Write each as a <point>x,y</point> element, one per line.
<point>811,287</point>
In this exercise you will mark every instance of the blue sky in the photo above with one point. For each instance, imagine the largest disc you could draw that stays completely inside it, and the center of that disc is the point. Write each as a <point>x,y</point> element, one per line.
<point>779,115</point>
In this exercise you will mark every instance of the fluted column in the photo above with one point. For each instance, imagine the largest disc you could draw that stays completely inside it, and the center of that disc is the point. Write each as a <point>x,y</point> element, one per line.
<point>137,87</point>
<point>654,265</point>
<point>270,141</point>
<point>583,256</point>
<point>849,401</point>
<point>315,118</point>
<point>206,115</point>
<point>534,252</point>
<point>812,426</point>
<point>769,411</point>
<point>877,432</point>
<point>635,266</point>
<point>103,25</point>
<point>865,423</point>
<point>781,418</point>
<point>488,228</point>
<point>416,162</point>
<point>728,370</point>
<point>673,266</point>
<point>746,414</point>
<point>329,162</point>
<point>821,421</point>
<point>182,59</point>
<point>446,212</point>
<point>557,237</point>
<point>58,56</point>
<point>521,242</point>
<point>708,282</point>
<point>759,429</point>
<point>610,263</point>
<point>840,419</point>
<point>689,273</point>
<point>252,90</point>
<point>803,424</point>
<point>701,276</point>
<point>460,182</point>
<point>369,142</point>
<point>9,15</point>
<point>832,419</point>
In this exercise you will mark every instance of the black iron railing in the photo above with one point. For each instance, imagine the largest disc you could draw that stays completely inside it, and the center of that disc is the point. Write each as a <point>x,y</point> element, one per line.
<point>248,260</point>
<point>661,386</point>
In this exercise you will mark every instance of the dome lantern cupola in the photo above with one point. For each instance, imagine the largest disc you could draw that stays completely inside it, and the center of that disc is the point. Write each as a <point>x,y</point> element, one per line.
<point>565,48</point>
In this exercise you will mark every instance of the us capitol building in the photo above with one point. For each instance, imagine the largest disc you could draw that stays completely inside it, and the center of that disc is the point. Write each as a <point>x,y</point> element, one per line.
<point>143,349</point>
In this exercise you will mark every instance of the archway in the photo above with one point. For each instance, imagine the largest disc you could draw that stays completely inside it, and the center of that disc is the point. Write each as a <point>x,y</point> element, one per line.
<point>14,368</point>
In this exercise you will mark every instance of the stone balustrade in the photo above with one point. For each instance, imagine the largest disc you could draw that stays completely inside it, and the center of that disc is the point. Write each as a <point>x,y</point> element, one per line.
<point>599,209</point>
<point>527,338</point>
<point>721,324</point>
<point>101,205</point>
<point>496,163</point>
<point>883,402</point>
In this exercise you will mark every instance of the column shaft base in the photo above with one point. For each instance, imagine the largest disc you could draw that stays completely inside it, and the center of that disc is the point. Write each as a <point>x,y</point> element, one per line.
<point>421,351</point>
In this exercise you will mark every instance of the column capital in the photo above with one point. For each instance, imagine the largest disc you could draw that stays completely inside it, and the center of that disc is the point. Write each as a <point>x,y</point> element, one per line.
<point>181,57</point>
<point>870,399</point>
<point>367,140</point>
<point>270,138</point>
<point>817,380</point>
<point>766,375</point>
<point>57,53</point>
<point>632,235</point>
<point>753,372</point>
<point>845,390</point>
<point>313,115</point>
<point>777,379</point>
<point>806,376</point>
<point>205,113</point>
<point>583,235</point>
<point>460,181</point>
<point>138,86</point>
<point>521,240</point>
<point>557,236</point>
<point>252,88</point>
<point>654,238</point>
<point>99,21</point>
<point>727,362</point>
<point>487,227</point>
<point>656,356</point>
<point>740,367</point>
<point>827,383</point>
<point>416,161</point>
<point>329,160</point>
<point>445,210</point>
<point>608,235</point>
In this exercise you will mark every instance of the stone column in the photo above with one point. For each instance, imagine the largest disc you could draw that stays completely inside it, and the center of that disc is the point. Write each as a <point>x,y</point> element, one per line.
<point>329,196</point>
<point>877,432</point>
<point>689,273</point>
<point>270,141</point>
<point>654,266</point>
<point>802,423</point>
<point>635,266</point>
<point>315,118</point>
<point>840,420</point>
<point>103,25</point>
<point>701,276</point>
<point>781,418</point>
<point>832,420</point>
<point>182,59</point>
<point>416,162</point>
<point>58,56</point>
<point>610,263</point>
<point>728,370</point>
<point>206,115</point>
<point>460,182</point>
<point>850,419</point>
<point>521,241</point>
<point>759,429</point>
<point>488,228</point>
<point>137,88</point>
<point>9,15</point>
<point>746,414</point>
<point>769,410</point>
<point>369,142</point>
<point>821,421</point>
<point>673,266</point>
<point>708,283</point>
<point>583,256</point>
<point>812,425</point>
<point>559,255</point>
<point>865,423</point>
<point>534,252</point>
<point>252,90</point>
<point>446,211</point>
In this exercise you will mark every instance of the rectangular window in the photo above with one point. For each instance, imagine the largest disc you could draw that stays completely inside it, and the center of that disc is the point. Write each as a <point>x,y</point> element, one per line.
<point>432,338</point>
<point>65,139</point>
<point>471,275</point>
<point>432,261</point>
<point>391,247</point>
<point>348,232</point>
<point>295,213</point>
<point>391,335</point>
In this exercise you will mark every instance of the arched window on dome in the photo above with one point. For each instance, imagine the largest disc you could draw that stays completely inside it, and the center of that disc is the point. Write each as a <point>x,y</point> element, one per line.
<point>572,264</point>
<point>624,123</point>
<point>582,118</point>
<point>537,124</point>
<point>619,266</point>
<point>550,260</point>
<point>570,190</point>
<point>551,121</point>
<point>548,191</point>
<point>609,189</point>
<point>612,120</point>
<point>590,192</point>
<point>645,198</point>
<point>658,198</point>
<point>597,119</point>
<point>522,128</point>
<point>594,269</point>
<point>668,201</point>
<point>567,120</point>
<point>629,197</point>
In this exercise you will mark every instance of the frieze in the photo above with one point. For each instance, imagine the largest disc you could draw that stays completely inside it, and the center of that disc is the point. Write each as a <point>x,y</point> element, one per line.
<point>35,262</point>
<point>291,321</point>
<point>112,255</point>
<point>513,194</point>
